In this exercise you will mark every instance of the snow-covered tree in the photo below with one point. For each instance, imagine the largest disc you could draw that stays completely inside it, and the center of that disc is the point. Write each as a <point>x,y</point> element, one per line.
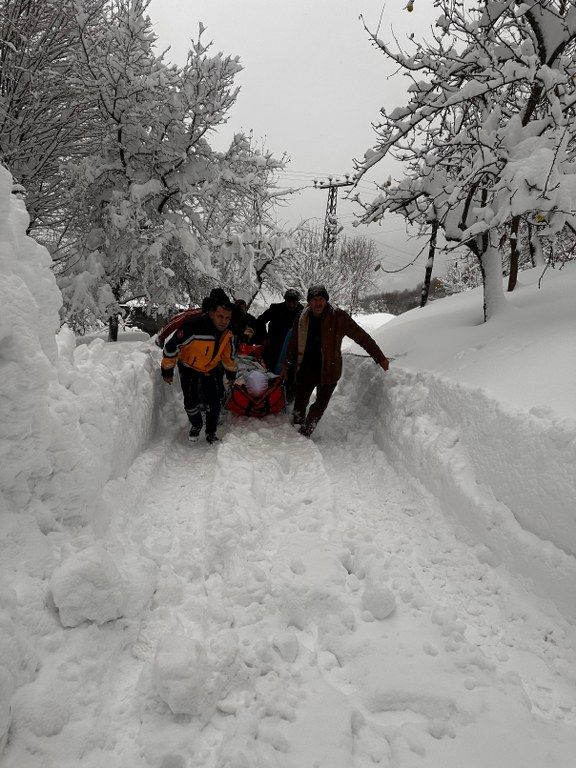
<point>488,133</point>
<point>249,244</point>
<point>45,115</point>
<point>153,198</point>
<point>347,275</point>
<point>463,274</point>
<point>248,260</point>
<point>359,260</point>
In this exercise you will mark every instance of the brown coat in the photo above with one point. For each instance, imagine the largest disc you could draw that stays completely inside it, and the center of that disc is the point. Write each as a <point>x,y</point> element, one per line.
<point>335,323</point>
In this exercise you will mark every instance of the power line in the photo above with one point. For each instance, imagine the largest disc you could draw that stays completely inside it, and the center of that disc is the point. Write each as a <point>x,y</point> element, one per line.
<point>361,188</point>
<point>309,172</point>
<point>312,175</point>
<point>318,175</point>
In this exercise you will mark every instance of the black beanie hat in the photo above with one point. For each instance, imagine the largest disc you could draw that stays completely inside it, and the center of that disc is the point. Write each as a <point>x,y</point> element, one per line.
<point>217,298</point>
<point>220,296</point>
<point>317,290</point>
<point>292,293</point>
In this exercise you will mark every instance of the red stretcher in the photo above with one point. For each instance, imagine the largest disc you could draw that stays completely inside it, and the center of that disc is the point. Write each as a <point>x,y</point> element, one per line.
<point>242,403</point>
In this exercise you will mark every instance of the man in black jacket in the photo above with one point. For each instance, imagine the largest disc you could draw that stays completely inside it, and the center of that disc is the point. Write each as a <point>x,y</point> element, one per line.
<point>245,327</point>
<point>280,319</point>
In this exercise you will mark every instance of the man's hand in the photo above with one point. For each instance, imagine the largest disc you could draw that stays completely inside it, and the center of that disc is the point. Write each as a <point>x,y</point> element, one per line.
<point>167,375</point>
<point>385,364</point>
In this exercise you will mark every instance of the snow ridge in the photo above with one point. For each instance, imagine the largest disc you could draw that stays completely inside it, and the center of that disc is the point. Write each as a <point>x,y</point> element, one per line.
<point>483,463</point>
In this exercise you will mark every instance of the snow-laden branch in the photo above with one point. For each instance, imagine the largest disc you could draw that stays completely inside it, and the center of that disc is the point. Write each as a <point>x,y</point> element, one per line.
<point>488,132</point>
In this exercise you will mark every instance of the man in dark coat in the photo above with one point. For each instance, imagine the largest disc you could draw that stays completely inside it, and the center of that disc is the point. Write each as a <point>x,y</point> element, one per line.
<point>280,319</point>
<point>314,352</point>
<point>245,327</point>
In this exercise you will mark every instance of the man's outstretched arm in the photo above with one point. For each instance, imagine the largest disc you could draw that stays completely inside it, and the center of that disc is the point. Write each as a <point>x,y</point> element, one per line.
<point>361,337</point>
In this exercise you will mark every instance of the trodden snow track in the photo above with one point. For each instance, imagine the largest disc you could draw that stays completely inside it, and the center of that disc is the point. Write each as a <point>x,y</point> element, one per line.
<point>311,609</point>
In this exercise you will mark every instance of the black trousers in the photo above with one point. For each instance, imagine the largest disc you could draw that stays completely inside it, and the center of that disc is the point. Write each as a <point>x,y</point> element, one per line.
<point>201,392</point>
<point>308,379</point>
<point>271,354</point>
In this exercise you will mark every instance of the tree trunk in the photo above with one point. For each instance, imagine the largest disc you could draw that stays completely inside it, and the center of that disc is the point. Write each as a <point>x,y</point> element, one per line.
<point>113,328</point>
<point>429,265</point>
<point>513,276</point>
<point>536,252</point>
<point>531,246</point>
<point>494,299</point>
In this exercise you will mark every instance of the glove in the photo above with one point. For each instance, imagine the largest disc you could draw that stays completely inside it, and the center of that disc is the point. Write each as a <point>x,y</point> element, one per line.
<point>167,375</point>
<point>385,364</point>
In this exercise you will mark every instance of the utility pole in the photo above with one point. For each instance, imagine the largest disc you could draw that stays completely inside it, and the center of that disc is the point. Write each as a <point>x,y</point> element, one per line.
<point>330,222</point>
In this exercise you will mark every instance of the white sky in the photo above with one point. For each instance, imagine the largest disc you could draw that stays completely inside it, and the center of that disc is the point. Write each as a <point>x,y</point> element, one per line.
<point>311,87</point>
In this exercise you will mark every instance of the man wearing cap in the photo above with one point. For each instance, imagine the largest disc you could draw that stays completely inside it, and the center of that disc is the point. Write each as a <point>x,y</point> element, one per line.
<point>280,319</point>
<point>314,353</point>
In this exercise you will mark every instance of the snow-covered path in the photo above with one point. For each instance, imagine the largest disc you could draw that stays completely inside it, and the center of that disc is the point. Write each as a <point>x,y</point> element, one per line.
<point>306,609</point>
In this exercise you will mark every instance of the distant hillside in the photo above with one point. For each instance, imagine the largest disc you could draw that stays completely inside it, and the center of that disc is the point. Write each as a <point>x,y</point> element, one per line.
<point>397,302</point>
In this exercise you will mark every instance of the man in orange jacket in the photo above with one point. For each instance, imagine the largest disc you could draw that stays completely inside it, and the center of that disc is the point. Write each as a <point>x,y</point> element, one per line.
<point>198,347</point>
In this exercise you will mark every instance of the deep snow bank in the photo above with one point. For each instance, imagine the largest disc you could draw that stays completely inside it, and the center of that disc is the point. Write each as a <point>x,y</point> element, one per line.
<point>525,357</point>
<point>29,304</point>
<point>504,477</point>
<point>484,416</point>
<point>70,420</point>
<point>105,416</point>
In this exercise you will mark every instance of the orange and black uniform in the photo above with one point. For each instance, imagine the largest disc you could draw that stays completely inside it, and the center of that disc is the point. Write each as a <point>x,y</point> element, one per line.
<point>198,348</point>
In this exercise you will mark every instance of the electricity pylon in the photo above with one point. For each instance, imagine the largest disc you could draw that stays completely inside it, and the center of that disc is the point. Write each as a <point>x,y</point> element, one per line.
<point>330,222</point>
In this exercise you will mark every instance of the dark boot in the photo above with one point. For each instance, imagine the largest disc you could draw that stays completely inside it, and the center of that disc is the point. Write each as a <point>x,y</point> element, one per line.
<point>297,418</point>
<point>193,434</point>
<point>308,428</point>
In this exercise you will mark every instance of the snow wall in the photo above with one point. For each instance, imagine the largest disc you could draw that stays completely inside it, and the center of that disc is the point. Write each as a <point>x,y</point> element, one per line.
<point>504,477</point>
<point>70,420</point>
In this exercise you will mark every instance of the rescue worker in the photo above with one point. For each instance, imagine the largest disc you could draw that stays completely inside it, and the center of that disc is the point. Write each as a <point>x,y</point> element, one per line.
<point>280,319</point>
<point>314,353</point>
<point>245,326</point>
<point>198,347</point>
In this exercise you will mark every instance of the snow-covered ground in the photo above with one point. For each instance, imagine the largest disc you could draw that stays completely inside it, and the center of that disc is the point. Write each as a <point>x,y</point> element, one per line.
<point>398,591</point>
